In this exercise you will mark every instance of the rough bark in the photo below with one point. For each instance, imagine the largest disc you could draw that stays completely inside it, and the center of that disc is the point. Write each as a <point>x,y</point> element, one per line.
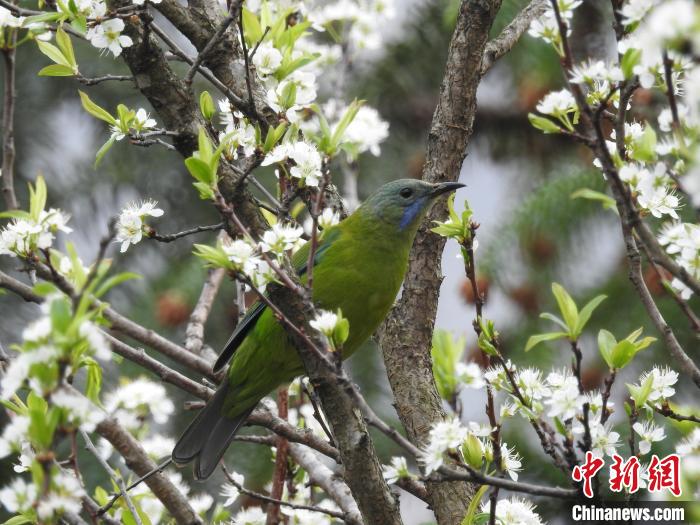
<point>175,103</point>
<point>138,461</point>
<point>361,468</point>
<point>406,335</point>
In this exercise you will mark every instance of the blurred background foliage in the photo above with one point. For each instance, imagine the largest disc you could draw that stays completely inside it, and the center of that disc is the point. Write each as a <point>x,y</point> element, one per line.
<point>519,184</point>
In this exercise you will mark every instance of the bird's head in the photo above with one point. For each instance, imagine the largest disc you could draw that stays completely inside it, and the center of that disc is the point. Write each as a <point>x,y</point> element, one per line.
<point>403,203</point>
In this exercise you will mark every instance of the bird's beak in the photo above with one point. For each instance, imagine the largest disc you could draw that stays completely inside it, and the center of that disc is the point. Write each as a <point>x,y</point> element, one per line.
<point>445,187</point>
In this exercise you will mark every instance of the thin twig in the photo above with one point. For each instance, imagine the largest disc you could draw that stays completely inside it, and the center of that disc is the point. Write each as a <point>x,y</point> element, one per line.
<point>194,333</point>
<point>152,234</point>
<point>276,501</point>
<point>87,81</point>
<point>223,26</point>
<point>665,410</point>
<point>280,471</point>
<point>246,61</point>
<point>511,34</point>
<point>114,474</point>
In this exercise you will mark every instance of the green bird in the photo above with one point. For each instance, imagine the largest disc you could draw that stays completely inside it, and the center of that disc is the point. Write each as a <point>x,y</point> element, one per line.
<point>359,266</point>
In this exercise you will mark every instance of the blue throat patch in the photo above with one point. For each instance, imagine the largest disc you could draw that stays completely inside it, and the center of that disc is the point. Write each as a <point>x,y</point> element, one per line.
<point>411,212</point>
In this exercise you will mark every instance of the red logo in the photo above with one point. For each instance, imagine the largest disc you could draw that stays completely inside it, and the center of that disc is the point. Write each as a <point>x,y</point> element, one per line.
<point>662,474</point>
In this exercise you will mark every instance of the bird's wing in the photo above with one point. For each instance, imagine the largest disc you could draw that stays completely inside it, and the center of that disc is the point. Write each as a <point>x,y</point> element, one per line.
<point>299,261</point>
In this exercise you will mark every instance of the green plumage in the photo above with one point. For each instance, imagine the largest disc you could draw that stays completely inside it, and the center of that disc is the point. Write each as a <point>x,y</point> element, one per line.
<point>359,266</point>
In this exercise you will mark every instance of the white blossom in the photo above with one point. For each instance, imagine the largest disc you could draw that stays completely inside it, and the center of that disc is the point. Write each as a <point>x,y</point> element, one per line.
<point>142,120</point>
<point>130,223</point>
<point>325,322</point>
<point>634,10</point>
<point>470,375</point>
<point>663,380</point>
<point>267,59</point>
<point>96,339</point>
<point>443,436</point>
<point>138,398</point>
<point>514,511</point>
<point>250,516</point>
<point>396,470</point>
<point>367,131</point>
<point>595,70</point>
<point>23,236</point>
<point>65,497</point>
<point>603,439</point>
<point>107,35</point>
<point>328,217</point>
<point>230,492</point>
<point>18,496</point>
<point>510,461</point>
<point>648,433</point>
<point>79,410</point>
<point>280,238</point>
<point>557,103</point>
<point>158,445</point>
<point>14,435</point>
<point>242,254</point>
<point>565,400</point>
<point>201,503</point>
<point>7,19</point>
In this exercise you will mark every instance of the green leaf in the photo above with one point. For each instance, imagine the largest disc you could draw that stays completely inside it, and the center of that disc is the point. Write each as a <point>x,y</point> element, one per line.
<point>206,151</point>
<point>17,520</point>
<point>199,169</point>
<point>622,353</point>
<point>543,124</point>
<point>606,200</point>
<point>559,425</point>
<point>61,314</point>
<point>289,67</point>
<point>43,17</point>
<point>252,29</point>
<point>213,256</point>
<point>567,307</point>
<point>534,340</point>
<point>629,60</point>
<point>15,214</point>
<point>474,506</point>
<point>56,70</point>
<point>445,352</point>
<point>586,312</point>
<point>44,288</point>
<point>341,332</point>
<point>66,47</point>
<point>606,343</point>
<point>554,319</point>
<point>205,190</point>
<point>640,393</point>
<point>645,148</point>
<point>95,110</point>
<point>343,124</point>
<point>53,53</point>
<point>472,451</point>
<point>114,281</point>
<point>93,382</point>
<point>37,198</point>
<point>206,105</point>
<point>103,150</point>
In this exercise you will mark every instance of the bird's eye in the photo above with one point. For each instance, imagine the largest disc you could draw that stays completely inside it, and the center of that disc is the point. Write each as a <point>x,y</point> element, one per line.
<point>406,193</point>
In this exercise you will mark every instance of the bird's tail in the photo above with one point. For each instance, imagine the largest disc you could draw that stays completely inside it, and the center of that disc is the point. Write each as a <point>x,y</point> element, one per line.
<point>208,436</point>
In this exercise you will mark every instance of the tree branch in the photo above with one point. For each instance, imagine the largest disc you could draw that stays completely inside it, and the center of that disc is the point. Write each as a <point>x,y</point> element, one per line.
<point>406,335</point>
<point>511,34</point>
<point>138,461</point>
<point>322,476</point>
<point>8,123</point>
